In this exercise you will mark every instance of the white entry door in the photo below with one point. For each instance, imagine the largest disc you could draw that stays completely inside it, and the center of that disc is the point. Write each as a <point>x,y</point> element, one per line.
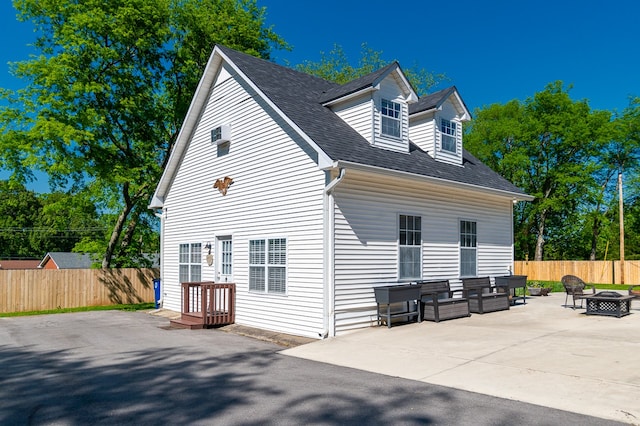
<point>224,263</point>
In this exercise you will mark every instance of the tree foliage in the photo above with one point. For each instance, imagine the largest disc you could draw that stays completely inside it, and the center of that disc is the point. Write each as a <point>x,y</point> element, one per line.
<point>106,94</point>
<point>552,147</point>
<point>335,66</point>
<point>33,224</point>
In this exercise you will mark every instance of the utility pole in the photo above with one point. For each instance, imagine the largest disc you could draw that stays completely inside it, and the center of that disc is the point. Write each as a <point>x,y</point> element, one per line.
<point>621,209</point>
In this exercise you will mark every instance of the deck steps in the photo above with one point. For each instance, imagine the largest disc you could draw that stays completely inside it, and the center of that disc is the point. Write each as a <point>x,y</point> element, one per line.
<point>188,323</point>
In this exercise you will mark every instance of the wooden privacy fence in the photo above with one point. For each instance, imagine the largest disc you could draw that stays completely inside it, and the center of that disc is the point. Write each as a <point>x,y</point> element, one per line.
<point>44,289</point>
<point>597,272</point>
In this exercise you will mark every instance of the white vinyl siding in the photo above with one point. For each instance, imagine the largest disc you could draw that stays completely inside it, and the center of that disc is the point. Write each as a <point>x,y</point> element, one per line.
<point>422,132</point>
<point>358,113</point>
<point>277,191</point>
<point>366,250</point>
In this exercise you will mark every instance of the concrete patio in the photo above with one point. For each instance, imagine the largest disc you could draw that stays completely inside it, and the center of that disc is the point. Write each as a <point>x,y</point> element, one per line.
<point>541,353</point>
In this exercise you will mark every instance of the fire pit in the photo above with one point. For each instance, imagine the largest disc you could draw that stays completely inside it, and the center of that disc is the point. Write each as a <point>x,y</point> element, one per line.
<point>608,303</point>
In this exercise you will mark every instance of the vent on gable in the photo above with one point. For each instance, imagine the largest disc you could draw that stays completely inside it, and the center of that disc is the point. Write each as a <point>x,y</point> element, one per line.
<point>221,134</point>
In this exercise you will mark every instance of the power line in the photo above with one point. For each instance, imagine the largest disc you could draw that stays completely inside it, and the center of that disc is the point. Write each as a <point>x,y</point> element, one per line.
<point>90,229</point>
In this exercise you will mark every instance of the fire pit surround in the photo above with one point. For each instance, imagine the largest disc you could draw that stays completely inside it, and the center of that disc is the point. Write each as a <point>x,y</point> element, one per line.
<point>608,303</point>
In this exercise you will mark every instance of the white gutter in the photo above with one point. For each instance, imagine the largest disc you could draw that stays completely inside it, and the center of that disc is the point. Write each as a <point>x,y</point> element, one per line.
<point>329,326</point>
<point>161,216</point>
<point>515,196</point>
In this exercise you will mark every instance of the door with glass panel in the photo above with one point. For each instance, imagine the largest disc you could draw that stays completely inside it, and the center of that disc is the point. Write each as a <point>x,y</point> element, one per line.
<point>224,263</point>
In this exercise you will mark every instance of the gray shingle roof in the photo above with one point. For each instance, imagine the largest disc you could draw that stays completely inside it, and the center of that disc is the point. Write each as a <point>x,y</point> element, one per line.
<point>300,96</point>
<point>356,85</point>
<point>66,260</point>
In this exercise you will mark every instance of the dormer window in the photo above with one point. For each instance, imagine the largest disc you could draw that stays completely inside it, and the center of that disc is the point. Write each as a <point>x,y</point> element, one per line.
<point>390,118</point>
<point>448,133</point>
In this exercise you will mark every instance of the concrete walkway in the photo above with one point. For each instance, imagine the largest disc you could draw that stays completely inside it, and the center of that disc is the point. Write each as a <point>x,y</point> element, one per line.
<point>541,353</point>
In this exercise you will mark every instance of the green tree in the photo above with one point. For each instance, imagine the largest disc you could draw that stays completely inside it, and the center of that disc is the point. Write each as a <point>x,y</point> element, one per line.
<point>33,224</point>
<point>64,221</point>
<point>549,146</point>
<point>622,157</point>
<point>335,66</point>
<point>19,210</point>
<point>106,94</point>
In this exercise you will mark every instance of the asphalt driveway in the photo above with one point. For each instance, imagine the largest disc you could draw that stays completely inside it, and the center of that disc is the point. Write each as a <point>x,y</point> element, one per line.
<point>129,368</point>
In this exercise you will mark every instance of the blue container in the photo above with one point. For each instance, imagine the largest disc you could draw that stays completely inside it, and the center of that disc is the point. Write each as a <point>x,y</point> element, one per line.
<point>156,288</point>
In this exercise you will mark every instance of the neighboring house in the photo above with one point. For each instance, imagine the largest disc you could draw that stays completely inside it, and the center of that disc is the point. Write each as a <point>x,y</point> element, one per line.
<point>308,194</point>
<point>64,260</point>
<point>19,264</point>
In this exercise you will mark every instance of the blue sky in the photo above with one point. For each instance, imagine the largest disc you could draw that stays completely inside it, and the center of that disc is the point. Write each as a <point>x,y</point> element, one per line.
<point>493,51</point>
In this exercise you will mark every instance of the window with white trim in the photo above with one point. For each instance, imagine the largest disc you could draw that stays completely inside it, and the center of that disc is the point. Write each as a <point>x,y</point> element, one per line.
<point>268,265</point>
<point>448,135</point>
<point>390,112</point>
<point>410,242</point>
<point>190,263</point>
<point>468,249</point>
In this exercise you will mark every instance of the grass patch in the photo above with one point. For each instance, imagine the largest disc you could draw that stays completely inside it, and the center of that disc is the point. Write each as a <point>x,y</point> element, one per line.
<point>556,286</point>
<point>127,307</point>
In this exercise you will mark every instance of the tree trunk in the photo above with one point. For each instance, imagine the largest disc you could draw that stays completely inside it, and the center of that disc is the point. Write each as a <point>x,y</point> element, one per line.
<point>594,238</point>
<point>129,204</point>
<point>127,236</point>
<point>540,238</point>
<point>117,229</point>
<point>115,235</point>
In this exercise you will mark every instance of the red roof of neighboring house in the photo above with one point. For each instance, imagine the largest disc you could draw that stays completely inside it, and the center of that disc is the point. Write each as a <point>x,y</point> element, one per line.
<point>19,264</point>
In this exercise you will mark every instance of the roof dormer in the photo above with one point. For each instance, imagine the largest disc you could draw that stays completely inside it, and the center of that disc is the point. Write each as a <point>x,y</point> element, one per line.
<point>435,125</point>
<point>377,107</point>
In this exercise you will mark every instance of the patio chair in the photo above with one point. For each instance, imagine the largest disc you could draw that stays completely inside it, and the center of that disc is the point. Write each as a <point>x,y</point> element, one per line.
<point>575,287</point>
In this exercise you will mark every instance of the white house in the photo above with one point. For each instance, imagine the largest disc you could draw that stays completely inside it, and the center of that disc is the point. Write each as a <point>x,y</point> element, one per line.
<point>308,194</point>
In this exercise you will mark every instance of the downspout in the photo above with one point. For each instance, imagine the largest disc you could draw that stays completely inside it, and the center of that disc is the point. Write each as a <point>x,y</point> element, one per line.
<point>513,239</point>
<point>161,216</point>
<point>329,259</point>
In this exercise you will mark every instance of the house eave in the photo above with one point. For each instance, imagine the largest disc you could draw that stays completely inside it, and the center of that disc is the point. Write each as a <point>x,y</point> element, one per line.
<point>514,196</point>
<point>156,203</point>
<point>352,95</point>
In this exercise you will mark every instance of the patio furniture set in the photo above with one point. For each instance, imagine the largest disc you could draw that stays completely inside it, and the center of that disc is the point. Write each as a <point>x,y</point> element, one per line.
<point>436,301</point>
<point>608,303</point>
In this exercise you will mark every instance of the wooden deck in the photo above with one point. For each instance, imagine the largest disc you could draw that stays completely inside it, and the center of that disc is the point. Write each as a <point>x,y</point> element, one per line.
<point>206,304</point>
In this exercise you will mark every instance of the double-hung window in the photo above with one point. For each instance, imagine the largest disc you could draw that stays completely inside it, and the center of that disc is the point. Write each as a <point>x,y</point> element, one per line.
<point>468,248</point>
<point>268,265</point>
<point>448,133</point>
<point>410,239</point>
<point>190,263</point>
<point>390,112</point>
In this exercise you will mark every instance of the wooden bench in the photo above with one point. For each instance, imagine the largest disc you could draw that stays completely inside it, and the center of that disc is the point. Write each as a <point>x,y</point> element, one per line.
<point>483,297</point>
<point>437,302</point>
